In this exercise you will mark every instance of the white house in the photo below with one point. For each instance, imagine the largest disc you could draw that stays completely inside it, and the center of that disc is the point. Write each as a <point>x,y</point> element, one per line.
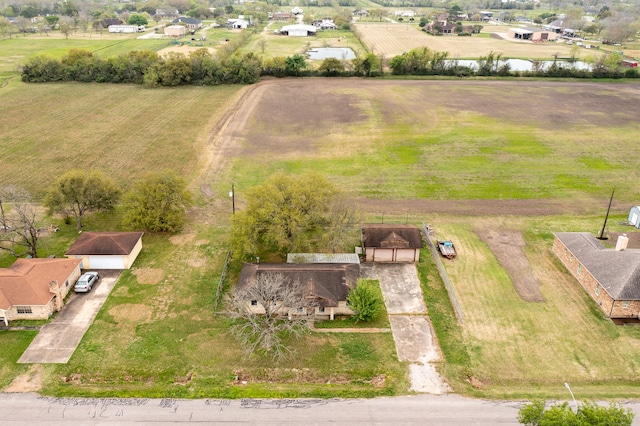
<point>175,30</point>
<point>106,250</point>
<point>125,28</point>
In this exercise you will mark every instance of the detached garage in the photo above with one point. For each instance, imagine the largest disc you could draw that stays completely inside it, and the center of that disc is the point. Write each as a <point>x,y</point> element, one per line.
<point>391,243</point>
<point>106,250</point>
<point>634,216</point>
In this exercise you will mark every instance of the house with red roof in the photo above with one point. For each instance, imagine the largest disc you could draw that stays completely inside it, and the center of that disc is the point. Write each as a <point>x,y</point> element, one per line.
<point>35,288</point>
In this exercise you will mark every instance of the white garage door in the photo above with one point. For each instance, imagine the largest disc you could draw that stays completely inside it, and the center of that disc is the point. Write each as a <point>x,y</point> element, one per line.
<point>106,262</point>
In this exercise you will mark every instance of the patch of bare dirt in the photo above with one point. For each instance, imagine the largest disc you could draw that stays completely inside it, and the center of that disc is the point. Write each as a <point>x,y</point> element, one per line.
<point>508,248</point>
<point>196,262</point>
<point>182,239</point>
<point>130,312</point>
<point>31,381</point>
<point>148,275</point>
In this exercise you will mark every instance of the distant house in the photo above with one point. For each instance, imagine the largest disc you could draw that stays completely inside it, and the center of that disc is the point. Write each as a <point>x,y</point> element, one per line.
<point>324,24</point>
<point>360,12</point>
<point>125,28</point>
<point>192,24</point>
<point>111,21</point>
<point>610,276</point>
<point>175,30</point>
<point>296,11</point>
<point>391,243</point>
<point>634,216</point>
<point>281,16</point>
<point>556,26</point>
<point>106,250</point>
<point>237,23</point>
<point>404,13</point>
<point>35,288</point>
<point>486,15</point>
<point>327,283</point>
<point>299,30</point>
<point>167,13</point>
<point>532,34</point>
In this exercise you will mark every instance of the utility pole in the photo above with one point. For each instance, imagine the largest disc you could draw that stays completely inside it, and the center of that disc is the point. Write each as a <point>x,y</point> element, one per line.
<point>232,195</point>
<point>601,237</point>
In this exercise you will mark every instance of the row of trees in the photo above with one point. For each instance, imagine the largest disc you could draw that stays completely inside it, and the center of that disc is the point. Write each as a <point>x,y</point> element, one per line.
<point>143,67</point>
<point>202,68</point>
<point>156,203</point>
<point>423,61</point>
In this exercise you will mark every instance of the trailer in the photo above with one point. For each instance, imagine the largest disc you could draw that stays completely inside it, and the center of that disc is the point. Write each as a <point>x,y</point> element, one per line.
<point>447,249</point>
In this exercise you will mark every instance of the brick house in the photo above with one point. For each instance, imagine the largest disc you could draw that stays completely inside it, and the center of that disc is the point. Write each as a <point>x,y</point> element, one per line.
<point>610,276</point>
<point>327,283</point>
<point>35,288</point>
<point>391,243</point>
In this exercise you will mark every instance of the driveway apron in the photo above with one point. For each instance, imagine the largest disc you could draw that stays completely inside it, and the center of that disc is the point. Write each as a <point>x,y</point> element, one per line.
<point>56,341</point>
<point>410,325</point>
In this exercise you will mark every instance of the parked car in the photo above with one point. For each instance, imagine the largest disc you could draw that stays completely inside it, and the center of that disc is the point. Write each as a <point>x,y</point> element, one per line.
<point>86,282</point>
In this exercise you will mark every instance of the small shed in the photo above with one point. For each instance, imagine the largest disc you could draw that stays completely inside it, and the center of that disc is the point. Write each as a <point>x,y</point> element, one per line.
<point>634,216</point>
<point>106,250</point>
<point>391,243</point>
<point>175,30</point>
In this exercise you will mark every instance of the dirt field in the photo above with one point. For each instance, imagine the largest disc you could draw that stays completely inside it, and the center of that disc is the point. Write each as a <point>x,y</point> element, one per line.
<point>508,248</point>
<point>265,127</point>
<point>394,39</point>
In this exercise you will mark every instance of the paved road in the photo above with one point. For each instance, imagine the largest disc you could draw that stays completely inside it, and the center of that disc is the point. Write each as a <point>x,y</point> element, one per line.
<point>410,325</point>
<point>56,341</point>
<point>407,410</point>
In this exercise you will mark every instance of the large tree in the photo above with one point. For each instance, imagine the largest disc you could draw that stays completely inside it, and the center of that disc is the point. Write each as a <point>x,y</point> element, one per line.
<point>77,192</point>
<point>157,203</point>
<point>18,223</point>
<point>294,213</point>
<point>280,298</point>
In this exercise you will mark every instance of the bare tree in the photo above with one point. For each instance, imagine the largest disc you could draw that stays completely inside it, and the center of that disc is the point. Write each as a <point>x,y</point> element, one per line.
<point>18,222</point>
<point>266,310</point>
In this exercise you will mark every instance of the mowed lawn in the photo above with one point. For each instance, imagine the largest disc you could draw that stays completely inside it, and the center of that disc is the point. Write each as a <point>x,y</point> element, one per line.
<point>123,130</point>
<point>519,349</point>
<point>391,39</point>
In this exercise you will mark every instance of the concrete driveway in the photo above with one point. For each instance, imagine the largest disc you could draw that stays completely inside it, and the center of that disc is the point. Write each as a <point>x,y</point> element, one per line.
<point>56,341</point>
<point>410,325</point>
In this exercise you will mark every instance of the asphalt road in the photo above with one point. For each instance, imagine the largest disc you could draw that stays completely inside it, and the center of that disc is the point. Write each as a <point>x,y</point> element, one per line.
<point>407,410</point>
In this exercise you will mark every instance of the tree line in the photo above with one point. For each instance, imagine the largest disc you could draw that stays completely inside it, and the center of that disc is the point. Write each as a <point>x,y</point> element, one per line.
<point>203,69</point>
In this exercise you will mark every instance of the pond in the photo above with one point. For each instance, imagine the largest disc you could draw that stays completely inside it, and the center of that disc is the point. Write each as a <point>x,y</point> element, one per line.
<point>341,53</point>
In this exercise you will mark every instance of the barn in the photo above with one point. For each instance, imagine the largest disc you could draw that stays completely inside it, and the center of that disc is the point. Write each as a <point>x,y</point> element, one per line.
<point>391,243</point>
<point>106,250</point>
<point>298,30</point>
<point>634,216</point>
<point>531,34</point>
<point>175,30</point>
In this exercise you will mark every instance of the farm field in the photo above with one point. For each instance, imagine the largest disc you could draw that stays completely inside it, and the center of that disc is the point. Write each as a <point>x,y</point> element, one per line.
<point>470,157</point>
<point>394,39</point>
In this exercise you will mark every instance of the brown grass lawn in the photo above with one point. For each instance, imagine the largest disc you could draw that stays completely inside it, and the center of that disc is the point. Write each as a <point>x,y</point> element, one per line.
<point>394,39</point>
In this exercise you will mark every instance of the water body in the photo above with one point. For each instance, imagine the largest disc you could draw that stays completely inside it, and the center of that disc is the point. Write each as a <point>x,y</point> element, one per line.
<point>525,65</point>
<point>341,53</point>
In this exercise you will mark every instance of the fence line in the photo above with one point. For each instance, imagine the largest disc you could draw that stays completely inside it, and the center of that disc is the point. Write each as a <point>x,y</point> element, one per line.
<point>221,282</point>
<point>453,296</point>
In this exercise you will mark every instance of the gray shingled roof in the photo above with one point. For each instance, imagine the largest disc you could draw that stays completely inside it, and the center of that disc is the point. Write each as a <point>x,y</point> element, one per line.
<point>330,283</point>
<point>322,258</point>
<point>617,271</point>
<point>391,236</point>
